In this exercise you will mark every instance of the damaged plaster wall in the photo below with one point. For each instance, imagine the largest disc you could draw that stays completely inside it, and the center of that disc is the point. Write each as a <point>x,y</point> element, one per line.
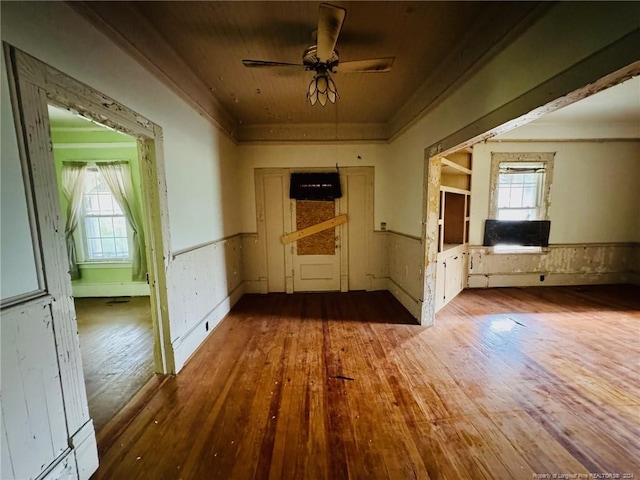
<point>594,211</point>
<point>200,161</point>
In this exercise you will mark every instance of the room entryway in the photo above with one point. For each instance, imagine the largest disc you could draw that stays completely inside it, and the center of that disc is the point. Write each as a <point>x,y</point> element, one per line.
<point>98,179</point>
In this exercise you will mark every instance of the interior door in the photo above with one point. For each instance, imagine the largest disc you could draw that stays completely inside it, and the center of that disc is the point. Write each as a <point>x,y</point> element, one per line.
<point>316,259</point>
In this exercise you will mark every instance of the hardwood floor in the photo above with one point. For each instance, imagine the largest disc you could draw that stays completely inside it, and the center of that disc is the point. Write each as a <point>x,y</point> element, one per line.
<point>510,383</point>
<point>116,344</point>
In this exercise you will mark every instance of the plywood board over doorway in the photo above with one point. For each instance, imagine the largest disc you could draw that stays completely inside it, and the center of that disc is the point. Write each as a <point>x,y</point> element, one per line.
<point>284,264</point>
<point>309,213</point>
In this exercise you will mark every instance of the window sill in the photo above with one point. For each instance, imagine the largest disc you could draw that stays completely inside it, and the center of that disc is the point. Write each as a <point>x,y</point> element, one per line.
<point>514,249</point>
<point>101,264</point>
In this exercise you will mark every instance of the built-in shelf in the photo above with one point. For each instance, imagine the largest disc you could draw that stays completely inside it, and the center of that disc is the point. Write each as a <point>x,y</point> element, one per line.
<point>453,226</point>
<point>451,246</point>
<point>461,191</point>
<point>451,168</point>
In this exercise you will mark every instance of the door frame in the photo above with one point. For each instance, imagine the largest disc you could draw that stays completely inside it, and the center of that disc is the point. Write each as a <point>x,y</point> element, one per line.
<point>342,231</point>
<point>34,85</point>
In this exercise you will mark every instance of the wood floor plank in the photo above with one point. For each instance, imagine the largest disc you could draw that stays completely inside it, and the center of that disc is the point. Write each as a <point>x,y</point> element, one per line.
<point>509,383</point>
<point>116,344</point>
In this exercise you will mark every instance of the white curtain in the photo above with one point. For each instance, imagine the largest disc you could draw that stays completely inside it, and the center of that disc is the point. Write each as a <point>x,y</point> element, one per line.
<point>118,177</point>
<point>73,175</point>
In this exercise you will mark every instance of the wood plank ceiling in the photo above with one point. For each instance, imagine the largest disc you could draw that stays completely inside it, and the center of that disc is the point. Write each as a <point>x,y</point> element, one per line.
<point>435,45</point>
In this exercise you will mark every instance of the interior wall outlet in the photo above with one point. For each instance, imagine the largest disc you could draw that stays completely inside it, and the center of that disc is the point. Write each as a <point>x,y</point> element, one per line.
<point>383,225</point>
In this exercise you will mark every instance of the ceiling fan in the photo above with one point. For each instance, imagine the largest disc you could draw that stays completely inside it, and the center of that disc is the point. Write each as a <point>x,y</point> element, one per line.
<point>322,58</point>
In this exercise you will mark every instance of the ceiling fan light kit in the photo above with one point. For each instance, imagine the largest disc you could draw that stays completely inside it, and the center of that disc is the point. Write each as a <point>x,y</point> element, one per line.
<point>322,58</point>
<point>321,89</point>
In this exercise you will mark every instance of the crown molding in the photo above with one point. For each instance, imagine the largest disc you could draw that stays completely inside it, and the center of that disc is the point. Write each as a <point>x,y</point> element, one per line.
<point>128,28</point>
<point>312,132</point>
<point>479,46</point>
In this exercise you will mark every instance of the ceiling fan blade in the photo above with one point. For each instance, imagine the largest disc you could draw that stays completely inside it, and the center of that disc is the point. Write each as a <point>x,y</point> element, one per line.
<point>374,65</point>
<point>329,25</point>
<point>264,63</point>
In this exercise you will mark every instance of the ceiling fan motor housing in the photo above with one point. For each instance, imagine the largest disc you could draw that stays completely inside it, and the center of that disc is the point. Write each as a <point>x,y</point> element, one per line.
<point>311,61</point>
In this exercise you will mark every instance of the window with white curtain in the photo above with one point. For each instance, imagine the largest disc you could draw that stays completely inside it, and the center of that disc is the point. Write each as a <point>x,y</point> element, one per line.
<point>105,231</point>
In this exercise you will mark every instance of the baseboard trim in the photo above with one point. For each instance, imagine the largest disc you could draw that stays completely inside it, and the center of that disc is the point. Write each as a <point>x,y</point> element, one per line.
<point>413,305</point>
<point>85,450</point>
<point>376,283</point>
<point>133,289</point>
<point>185,346</point>
<point>63,467</point>
<point>550,279</point>
<point>253,286</point>
<point>79,461</point>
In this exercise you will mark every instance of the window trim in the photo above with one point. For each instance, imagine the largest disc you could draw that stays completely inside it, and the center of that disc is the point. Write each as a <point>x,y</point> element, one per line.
<point>498,158</point>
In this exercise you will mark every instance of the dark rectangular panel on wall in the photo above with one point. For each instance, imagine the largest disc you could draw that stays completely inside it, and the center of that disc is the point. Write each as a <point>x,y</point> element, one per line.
<point>527,233</point>
<point>315,186</point>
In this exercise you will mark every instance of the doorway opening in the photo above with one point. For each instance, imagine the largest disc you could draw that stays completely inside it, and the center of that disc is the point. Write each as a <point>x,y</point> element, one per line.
<point>99,188</point>
<point>447,182</point>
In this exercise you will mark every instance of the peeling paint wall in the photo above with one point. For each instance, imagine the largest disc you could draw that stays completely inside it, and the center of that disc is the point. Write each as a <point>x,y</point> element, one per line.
<point>201,296</point>
<point>405,270</point>
<point>594,211</point>
<point>578,264</point>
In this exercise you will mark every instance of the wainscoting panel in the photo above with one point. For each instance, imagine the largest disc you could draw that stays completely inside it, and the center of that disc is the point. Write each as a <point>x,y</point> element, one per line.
<point>570,264</point>
<point>406,254</point>
<point>206,282</point>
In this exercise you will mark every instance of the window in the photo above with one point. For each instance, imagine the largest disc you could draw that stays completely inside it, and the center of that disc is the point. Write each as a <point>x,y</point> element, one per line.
<point>520,185</point>
<point>104,227</point>
<point>520,193</point>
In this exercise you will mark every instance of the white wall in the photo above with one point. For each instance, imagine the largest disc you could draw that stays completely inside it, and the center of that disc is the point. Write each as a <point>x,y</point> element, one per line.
<point>595,192</point>
<point>202,207</point>
<point>504,88</point>
<point>404,175</point>
<point>200,162</point>
<point>310,156</point>
<point>203,179</point>
<point>201,182</point>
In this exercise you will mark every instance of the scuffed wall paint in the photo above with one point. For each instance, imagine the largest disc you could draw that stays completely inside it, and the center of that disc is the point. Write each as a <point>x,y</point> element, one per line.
<point>379,261</point>
<point>405,255</point>
<point>573,264</point>
<point>251,263</point>
<point>207,283</point>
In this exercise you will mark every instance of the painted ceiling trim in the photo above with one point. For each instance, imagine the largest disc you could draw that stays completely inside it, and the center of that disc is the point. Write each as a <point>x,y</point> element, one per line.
<point>128,28</point>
